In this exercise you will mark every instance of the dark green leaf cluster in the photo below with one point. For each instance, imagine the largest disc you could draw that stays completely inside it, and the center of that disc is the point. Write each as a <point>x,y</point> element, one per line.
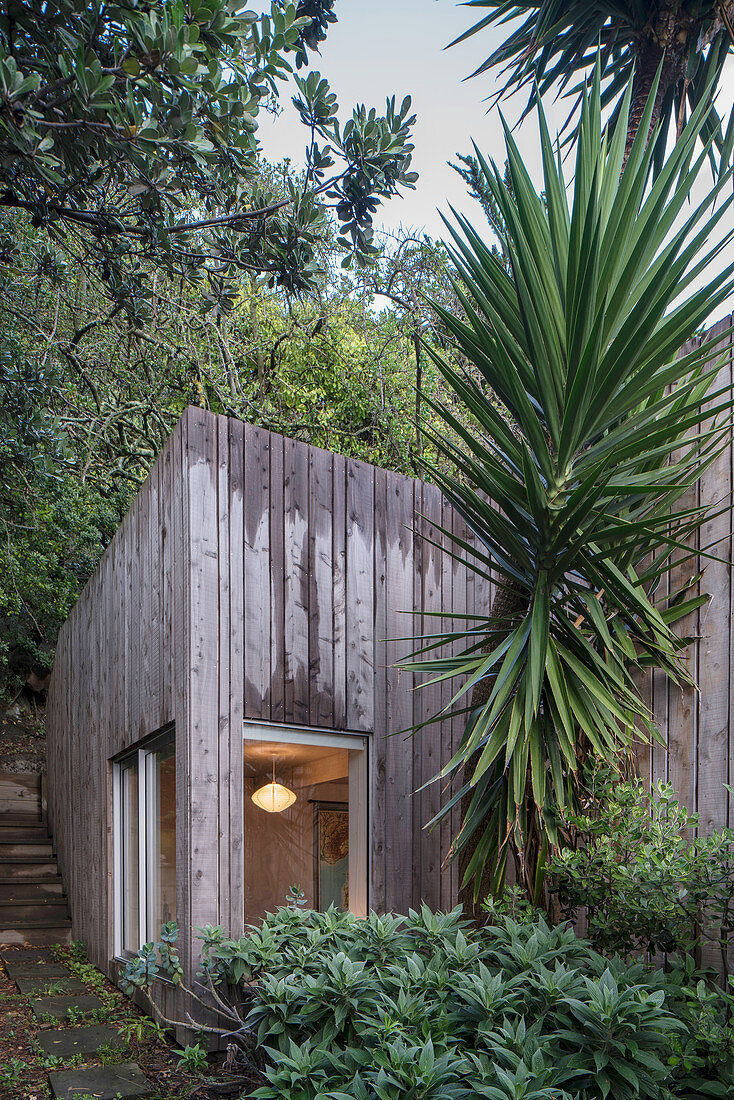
<point>647,879</point>
<point>427,1006</point>
<point>89,392</point>
<point>555,44</point>
<point>320,14</point>
<point>128,133</point>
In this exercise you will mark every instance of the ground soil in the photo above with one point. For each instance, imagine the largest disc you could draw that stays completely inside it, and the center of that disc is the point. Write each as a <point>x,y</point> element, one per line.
<point>23,1075</point>
<point>22,737</point>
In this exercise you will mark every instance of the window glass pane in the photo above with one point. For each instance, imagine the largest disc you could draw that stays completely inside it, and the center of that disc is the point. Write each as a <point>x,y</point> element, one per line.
<point>160,782</point>
<point>130,856</point>
<point>318,840</point>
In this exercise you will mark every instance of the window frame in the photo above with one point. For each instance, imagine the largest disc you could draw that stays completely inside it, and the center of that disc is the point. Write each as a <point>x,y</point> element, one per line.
<point>358,741</point>
<point>140,755</point>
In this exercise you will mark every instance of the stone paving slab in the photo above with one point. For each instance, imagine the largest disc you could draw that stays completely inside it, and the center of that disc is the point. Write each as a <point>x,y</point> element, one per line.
<point>37,986</point>
<point>68,1041</point>
<point>59,1006</point>
<point>28,955</point>
<point>37,969</point>
<point>102,1082</point>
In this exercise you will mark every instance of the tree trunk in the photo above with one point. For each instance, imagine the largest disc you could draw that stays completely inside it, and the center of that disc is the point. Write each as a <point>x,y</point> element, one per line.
<point>418,394</point>
<point>255,328</point>
<point>666,42</point>
<point>507,605</point>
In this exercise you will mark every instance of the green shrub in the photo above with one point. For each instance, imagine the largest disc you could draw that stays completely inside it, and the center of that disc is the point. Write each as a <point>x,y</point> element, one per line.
<point>424,1006</point>
<point>429,1007</point>
<point>646,882</point>
<point>644,879</point>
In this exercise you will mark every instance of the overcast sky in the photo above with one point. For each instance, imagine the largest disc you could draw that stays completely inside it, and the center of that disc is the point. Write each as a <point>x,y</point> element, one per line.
<point>379,48</point>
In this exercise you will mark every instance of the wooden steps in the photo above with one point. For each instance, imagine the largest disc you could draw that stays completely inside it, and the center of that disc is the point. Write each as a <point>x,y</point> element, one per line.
<point>33,906</point>
<point>21,889</point>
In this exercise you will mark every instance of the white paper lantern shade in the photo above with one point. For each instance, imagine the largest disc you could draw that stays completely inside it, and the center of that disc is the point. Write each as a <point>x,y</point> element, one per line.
<point>273,797</point>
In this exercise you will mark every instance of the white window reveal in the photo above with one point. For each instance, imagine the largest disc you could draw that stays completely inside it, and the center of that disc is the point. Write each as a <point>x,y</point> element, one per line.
<point>145,843</point>
<point>306,811</point>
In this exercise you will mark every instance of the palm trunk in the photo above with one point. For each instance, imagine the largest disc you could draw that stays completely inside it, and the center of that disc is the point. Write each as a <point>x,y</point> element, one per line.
<point>507,605</point>
<point>664,44</point>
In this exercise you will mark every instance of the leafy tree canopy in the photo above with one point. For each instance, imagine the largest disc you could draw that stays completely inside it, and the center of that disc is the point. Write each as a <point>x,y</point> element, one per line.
<point>128,133</point>
<point>89,393</point>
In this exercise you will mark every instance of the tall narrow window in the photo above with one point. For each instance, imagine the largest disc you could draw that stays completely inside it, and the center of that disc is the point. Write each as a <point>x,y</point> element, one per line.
<point>160,782</point>
<point>145,843</point>
<point>305,819</point>
<point>129,839</point>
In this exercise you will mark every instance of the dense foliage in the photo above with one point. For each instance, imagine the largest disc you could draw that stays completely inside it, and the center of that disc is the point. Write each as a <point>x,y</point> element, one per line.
<point>128,133</point>
<point>643,875</point>
<point>426,1007</point>
<point>88,395</point>
<point>601,428</point>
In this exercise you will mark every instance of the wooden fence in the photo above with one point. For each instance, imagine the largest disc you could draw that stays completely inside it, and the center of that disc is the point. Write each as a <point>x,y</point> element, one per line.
<point>697,723</point>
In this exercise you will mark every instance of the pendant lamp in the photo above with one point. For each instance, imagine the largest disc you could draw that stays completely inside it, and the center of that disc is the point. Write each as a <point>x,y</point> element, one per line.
<point>273,797</point>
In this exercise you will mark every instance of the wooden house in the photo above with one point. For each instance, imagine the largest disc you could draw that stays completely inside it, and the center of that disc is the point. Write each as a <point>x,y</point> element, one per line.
<point>225,716</point>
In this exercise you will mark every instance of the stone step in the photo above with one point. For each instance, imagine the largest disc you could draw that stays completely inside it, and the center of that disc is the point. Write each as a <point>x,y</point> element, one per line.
<point>58,1007</point>
<point>34,967</point>
<point>24,889</point>
<point>37,986</point>
<point>14,867</point>
<point>40,846</point>
<point>67,1042</point>
<point>37,956</point>
<point>125,1080</point>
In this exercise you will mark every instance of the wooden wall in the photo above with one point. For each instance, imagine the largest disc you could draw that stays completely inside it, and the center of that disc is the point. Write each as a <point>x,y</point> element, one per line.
<point>697,724</point>
<point>257,577</point>
<point>120,673</point>
<point>312,560</point>
<point>254,577</point>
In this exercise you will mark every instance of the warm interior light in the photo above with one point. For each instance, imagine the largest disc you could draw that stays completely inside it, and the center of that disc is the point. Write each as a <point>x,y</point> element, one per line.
<point>273,797</point>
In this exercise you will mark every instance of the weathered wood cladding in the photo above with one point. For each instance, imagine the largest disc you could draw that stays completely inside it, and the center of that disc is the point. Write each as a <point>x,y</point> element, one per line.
<point>697,724</point>
<point>254,578</point>
<point>120,674</point>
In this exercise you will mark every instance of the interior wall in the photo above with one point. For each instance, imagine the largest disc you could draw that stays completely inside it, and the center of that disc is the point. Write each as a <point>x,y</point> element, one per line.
<point>279,847</point>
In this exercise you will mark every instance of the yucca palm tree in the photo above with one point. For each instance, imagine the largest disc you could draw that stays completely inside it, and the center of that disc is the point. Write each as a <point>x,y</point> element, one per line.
<point>556,43</point>
<point>588,428</point>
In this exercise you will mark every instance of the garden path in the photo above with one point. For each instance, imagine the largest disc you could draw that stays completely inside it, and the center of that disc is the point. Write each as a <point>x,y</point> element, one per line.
<point>57,996</point>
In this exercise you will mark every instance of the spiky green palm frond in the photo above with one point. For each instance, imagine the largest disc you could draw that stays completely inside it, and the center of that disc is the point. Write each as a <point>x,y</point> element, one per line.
<point>589,427</point>
<point>556,44</point>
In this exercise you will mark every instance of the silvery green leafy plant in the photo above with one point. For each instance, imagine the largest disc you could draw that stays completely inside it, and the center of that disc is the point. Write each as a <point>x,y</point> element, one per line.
<point>586,428</point>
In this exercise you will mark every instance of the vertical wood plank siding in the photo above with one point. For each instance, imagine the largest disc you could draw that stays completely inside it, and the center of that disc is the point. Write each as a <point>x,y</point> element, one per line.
<point>254,578</point>
<point>697,725</point>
